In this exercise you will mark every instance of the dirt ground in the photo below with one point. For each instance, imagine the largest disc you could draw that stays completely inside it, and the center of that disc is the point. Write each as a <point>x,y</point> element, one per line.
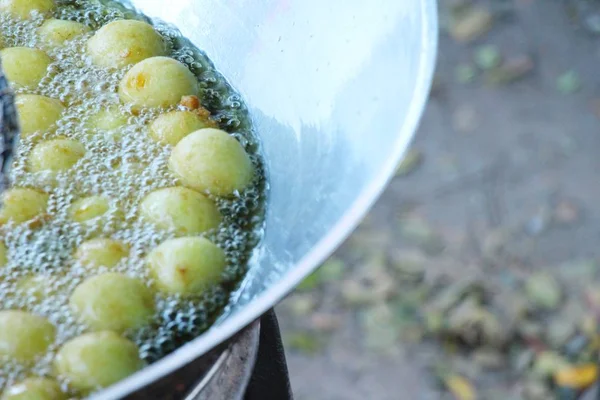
<point>506,163</point>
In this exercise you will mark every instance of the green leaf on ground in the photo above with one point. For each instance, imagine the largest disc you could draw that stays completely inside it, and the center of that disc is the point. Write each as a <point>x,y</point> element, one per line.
<point>418,232</point>
<point>465,73</point>
<point>543,291</point>
<point>330,271</point>
<point>569,82</point>
<point>510,71</point>
<point>470,24</point>
<point>487,57</point>
<point>304,342</point>
<point>411,161</point>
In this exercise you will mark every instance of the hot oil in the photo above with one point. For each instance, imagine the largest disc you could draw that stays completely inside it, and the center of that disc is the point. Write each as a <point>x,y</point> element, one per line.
<point>124,165</point>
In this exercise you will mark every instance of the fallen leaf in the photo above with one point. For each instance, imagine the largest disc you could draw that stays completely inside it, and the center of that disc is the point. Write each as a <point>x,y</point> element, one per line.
<point>489,358</point>
<point>475,325</point>
<point>461,388</point>
<point>367,287</point>
<point>471,24</point>
<point>369,242</point>
<point>465,73</point>
<point>568,83</point>
<point>304,342</point>
<point>376,324</point>
<point>301,304</point>
<point>547,363</point>
<point>311,282</point>
<point>536,389</point>
<point>411,161</point>
<point>451,295</point>
<point>578,377</point>
<point>418,232</point>
<point>487,57</point>
<point>410,265</point>
<point>510,70</point>
<point>331,270</point>
<point>543,291</point>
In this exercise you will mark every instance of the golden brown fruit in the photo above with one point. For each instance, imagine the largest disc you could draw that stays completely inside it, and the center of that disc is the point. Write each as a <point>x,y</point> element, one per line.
<point>113,301</point>
<point>55,155</point>
<point>97,360</point>
<point>173,126</point>
<point>183,210</point>
<point>22,204</point>
<point>24,336</point>
<point>24,67</point>
<point>34,389</point>
<point>23,8</point>
<point>212,161</point>
<point>157,82</point>
<point>125,42</point>
<point>186,266</point>
<point>55,32</point>
<point>37,113</point>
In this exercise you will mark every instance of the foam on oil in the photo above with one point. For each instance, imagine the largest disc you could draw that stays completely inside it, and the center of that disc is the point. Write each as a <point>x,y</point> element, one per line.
<point>123,165</point>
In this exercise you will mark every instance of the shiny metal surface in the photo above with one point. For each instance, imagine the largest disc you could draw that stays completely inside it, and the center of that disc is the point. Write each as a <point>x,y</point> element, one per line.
<point>336,90</point>
<point>230,375</point>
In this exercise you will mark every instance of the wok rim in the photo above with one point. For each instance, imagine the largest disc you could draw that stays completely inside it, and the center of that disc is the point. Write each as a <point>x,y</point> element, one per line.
<point>323,249</point>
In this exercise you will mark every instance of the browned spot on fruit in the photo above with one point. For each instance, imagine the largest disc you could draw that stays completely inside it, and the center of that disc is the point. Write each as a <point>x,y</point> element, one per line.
<point>182,271</point>
<point>191,102</point>
<point>137,81</point>
<point>39,220</point>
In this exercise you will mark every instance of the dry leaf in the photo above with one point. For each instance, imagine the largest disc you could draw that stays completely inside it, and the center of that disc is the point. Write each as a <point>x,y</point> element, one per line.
<point>460,387</point>
<point>471,24</point>
<point>579,377</point>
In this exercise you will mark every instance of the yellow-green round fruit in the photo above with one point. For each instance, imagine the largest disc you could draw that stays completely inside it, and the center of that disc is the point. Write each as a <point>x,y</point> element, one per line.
<point>55,155</point>
<point>157,82</point>
<point>173,126</point>
<point>3,255</point>
<point>101,253</point>
<point>24,67</point>
<point>212,161</point>
<point>37,113</point>
<point>34,389</point>
<point>23,8</point>
<point>113,302</point>
<point>22,204</point>
<point>89,208</point>
<point>96,360</point>
<point>125,42</point>
<point>107,119</point>
<point>55,32</point>
<point>24,336</point>
<point>181,209</point>
<point>186,266</point>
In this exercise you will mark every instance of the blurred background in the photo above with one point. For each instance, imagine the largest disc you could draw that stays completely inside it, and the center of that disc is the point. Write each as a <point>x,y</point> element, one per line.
<point>476,274</point>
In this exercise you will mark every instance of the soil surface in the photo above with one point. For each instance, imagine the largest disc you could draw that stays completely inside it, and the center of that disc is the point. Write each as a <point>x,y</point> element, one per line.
<point>500,190</point>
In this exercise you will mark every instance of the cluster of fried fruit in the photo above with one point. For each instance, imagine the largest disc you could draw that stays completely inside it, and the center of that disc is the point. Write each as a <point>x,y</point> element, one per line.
<point>204,159</point>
